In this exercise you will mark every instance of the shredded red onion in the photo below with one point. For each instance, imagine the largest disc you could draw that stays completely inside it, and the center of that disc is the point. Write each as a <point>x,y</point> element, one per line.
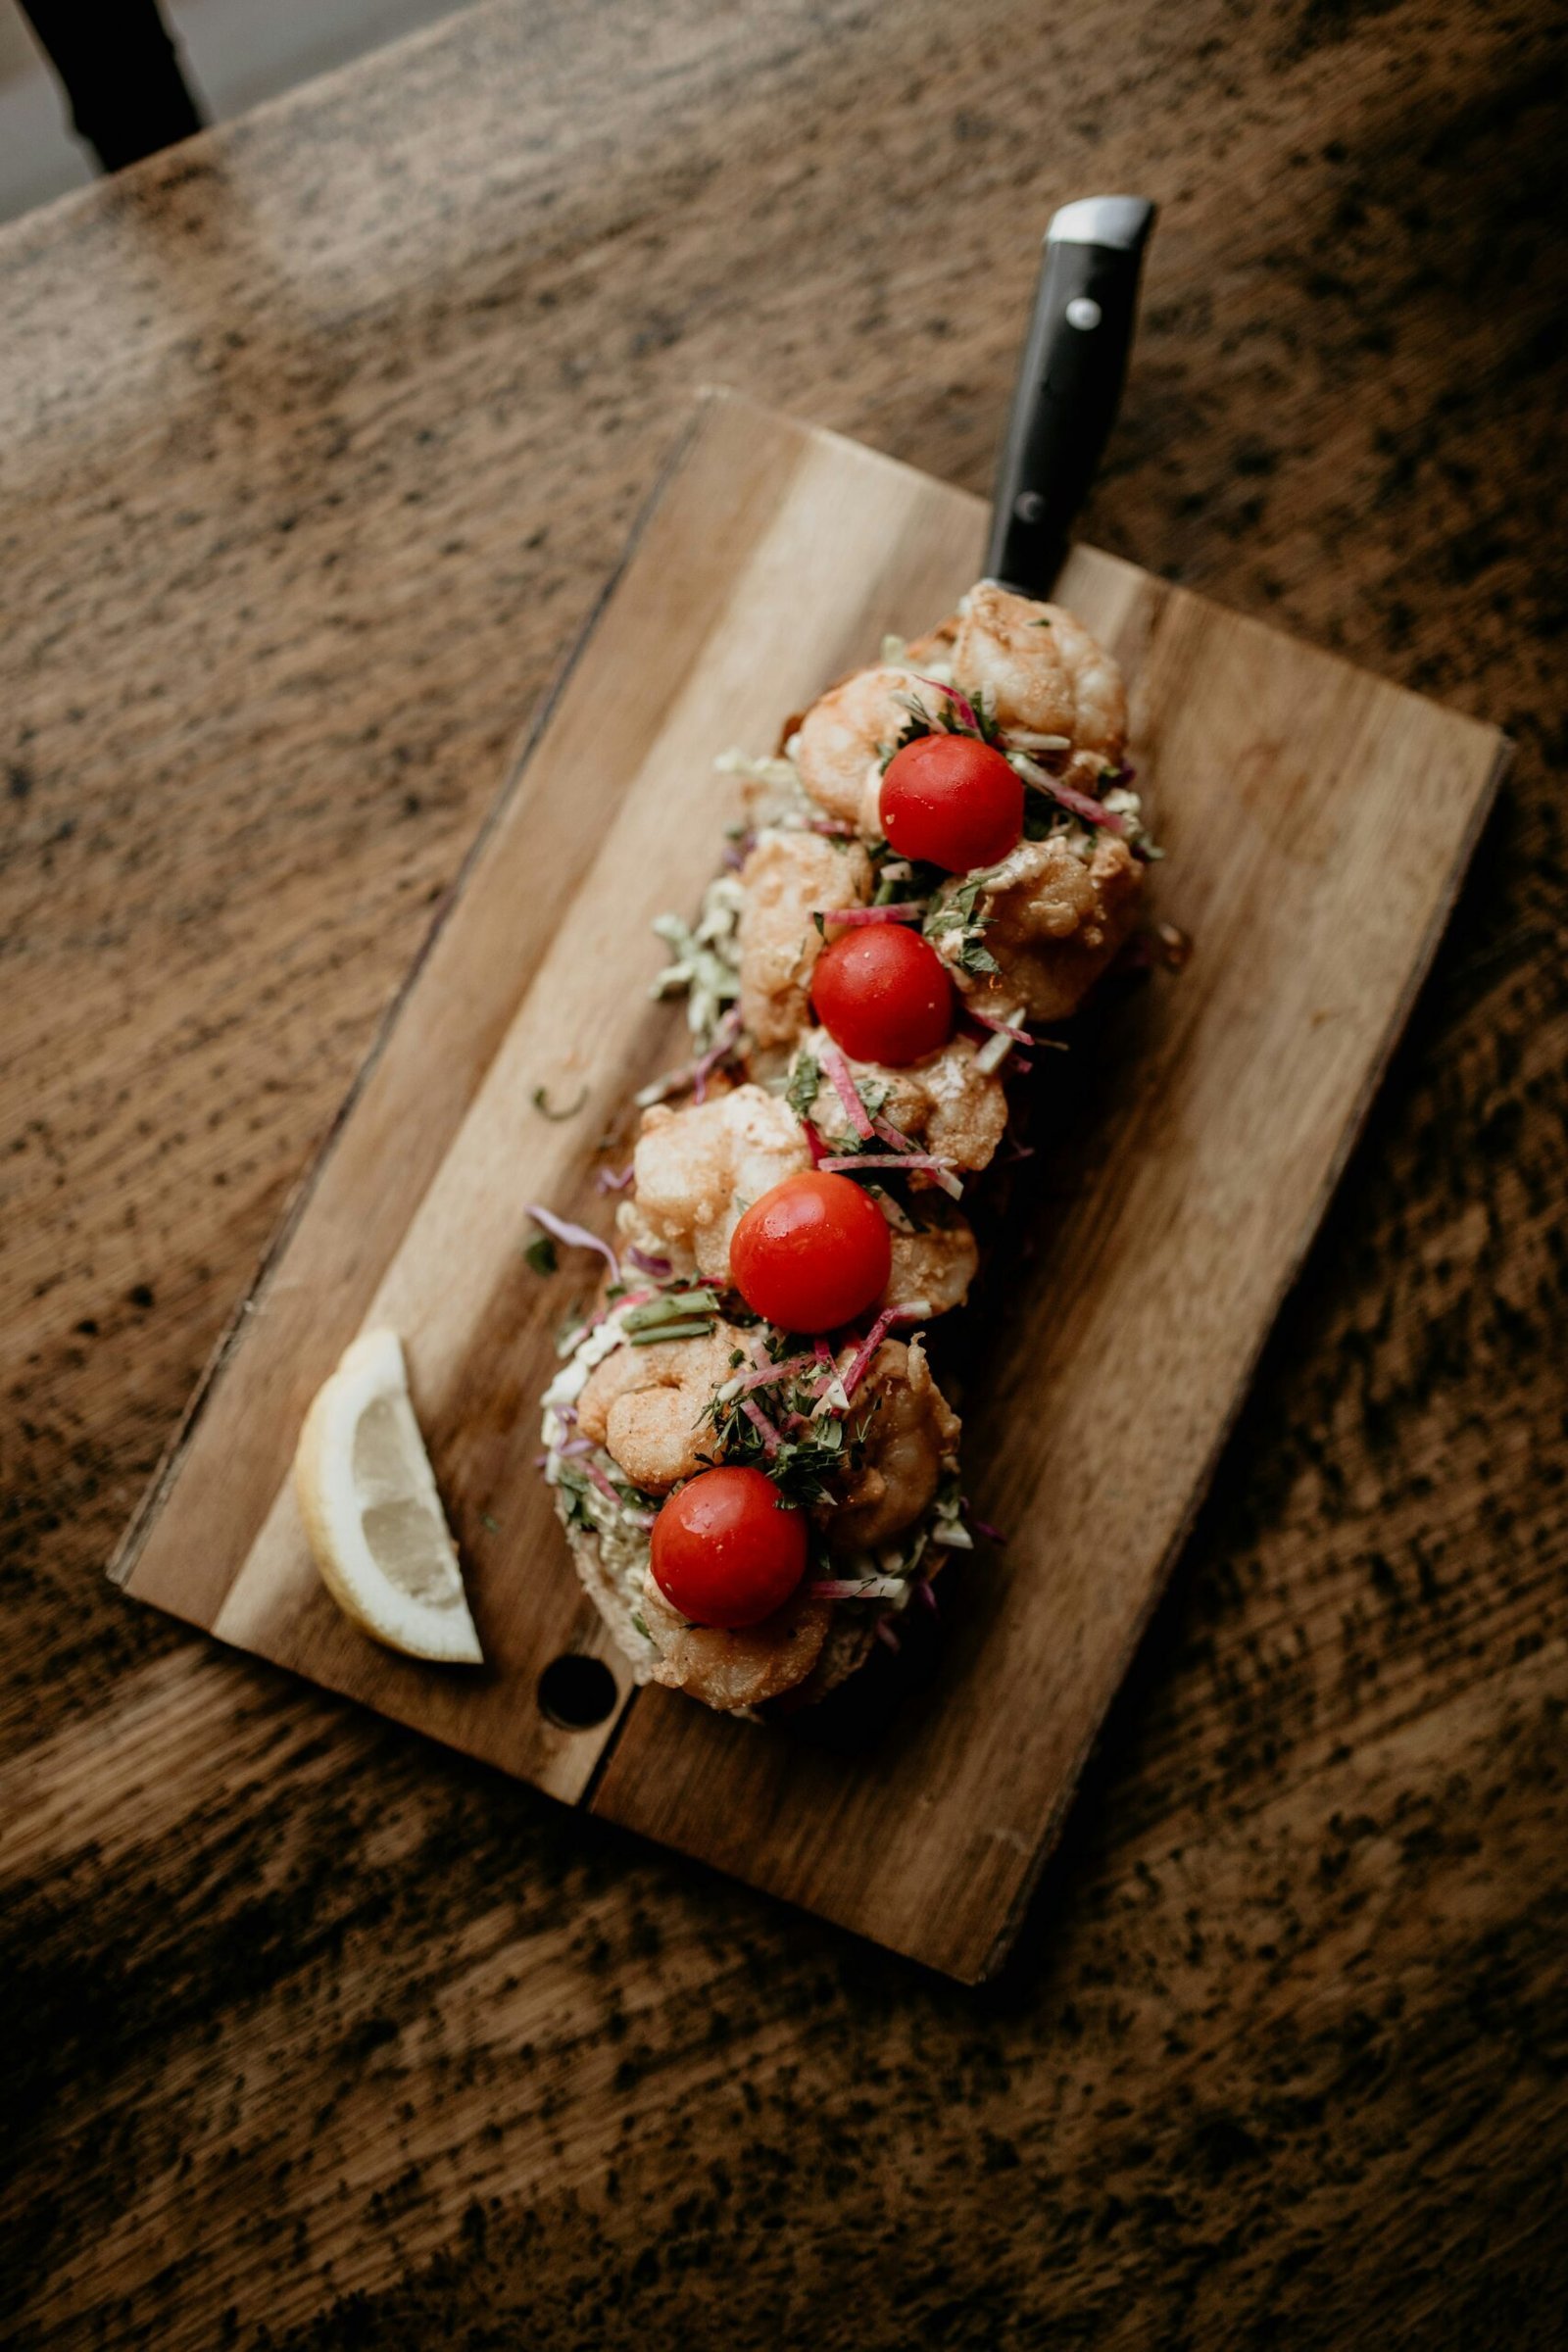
<point>814,1144</point>
<point>856,1588</point>
<point>1093,813</point>
<point>886,1634</point>
<point>695,1074</point>
<point>964,710</point>
<point>989,1020</point>
<point>791,1369</point>
<point>925,1594</point>
<point>868,1347</point>
<point>607,1181</point>
<point>838,1070</point>
<point>983,1527</point>
<point>762,1424</point>
<point>899,910</point>
<point>892,1135</point>
<point>575,1237</point>
<point>724,1036</point>
<point>831,824</point>
<point>925,1161</point>
<point>603,1482</point>
<point>874,1340</point>
<point>645,1263</point>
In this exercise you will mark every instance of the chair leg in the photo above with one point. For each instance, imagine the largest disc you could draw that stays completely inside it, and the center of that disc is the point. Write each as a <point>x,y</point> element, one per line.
<point>122,74</point>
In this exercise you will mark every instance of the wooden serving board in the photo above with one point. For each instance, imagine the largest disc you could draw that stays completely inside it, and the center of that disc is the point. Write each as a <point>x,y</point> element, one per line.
<point>1317,822</point>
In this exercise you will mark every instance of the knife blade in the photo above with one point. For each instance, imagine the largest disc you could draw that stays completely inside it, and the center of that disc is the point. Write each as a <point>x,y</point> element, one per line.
<point>1070,380</point>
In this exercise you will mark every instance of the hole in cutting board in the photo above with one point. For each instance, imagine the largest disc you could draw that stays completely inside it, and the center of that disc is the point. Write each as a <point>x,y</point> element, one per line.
<point>576,1692</point>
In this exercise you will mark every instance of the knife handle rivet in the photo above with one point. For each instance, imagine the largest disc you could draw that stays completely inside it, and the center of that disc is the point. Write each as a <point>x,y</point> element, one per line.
<point>1029,506</point>
<point>1083,312</point>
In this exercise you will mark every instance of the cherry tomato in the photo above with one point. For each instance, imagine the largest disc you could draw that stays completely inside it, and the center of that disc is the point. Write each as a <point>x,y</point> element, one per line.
<point>811,1253</point>
<point>883,994</point>
<point>726,1550</point>
<point>951,800</point>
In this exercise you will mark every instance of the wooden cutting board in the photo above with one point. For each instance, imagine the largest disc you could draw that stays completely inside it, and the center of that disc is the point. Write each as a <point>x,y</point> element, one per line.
<point>1317,822</point>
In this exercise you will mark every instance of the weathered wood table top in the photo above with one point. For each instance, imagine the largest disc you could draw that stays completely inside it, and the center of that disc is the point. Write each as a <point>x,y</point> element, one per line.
<point>317,438</point>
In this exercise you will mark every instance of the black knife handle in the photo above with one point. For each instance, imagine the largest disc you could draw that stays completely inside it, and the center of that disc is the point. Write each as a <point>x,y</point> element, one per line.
<point>1069,384</point>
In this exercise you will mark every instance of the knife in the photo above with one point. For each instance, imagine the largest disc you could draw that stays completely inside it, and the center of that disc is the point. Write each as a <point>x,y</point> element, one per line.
<point>1070,379</point>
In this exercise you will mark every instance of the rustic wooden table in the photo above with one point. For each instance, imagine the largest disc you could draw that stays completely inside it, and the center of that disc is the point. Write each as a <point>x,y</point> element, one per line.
<point>317,437</point>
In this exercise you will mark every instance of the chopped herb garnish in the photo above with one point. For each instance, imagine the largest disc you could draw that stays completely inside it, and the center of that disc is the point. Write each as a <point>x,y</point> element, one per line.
<point>953,926</point>
<point>950,720</point>
<point>801,1451</point>
<point>541,1103</point>
<point>540,1254</point>
<point>493,1525</point>
<point>806,1077</point>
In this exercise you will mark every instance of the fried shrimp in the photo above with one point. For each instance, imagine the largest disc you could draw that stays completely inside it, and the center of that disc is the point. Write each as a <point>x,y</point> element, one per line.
<point>944,1104</point>
<point>844,738</point>
<point>787,879</point>
<point>1052,923</point>
<point>934,1264</point>
<point>732,1671</point>
<point>911,1438</point>
<point>646,1405</point>
<point>696,1171</point>
<point>1044,676</point>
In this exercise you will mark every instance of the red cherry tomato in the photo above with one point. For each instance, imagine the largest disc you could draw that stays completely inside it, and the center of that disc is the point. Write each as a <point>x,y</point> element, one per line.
<point>951,800</point>
<point>726,1550</point>
<point>811,1253</point>
<point>883,994</point>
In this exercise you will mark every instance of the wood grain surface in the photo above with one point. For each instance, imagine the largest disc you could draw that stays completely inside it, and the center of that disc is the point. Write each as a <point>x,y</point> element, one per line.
<point>317,439</point>
<point>1318,821</point>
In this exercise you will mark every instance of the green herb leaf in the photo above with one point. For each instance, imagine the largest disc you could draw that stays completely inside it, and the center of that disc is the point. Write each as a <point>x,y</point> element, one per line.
<point>540,1254</point>
<point>691,1330</point>
<point>806,1077</point>
<point>541,1103</point>
<point>672,1307</point>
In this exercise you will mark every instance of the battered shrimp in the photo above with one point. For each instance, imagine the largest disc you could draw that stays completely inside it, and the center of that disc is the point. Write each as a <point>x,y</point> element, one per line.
<point>786,879</point>
<point>1044,674</point>
<point>911,1443</point>
<point>644,1405</point>
<point>843,738</point>
<point>696,1171</point>
<point>934,1263</point>
<point>1054,924</point>
<point>943,1103</point>
<point>730,1671</point>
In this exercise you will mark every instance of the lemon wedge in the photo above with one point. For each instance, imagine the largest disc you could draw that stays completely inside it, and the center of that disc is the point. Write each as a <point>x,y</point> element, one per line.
<point>368,1497</point>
